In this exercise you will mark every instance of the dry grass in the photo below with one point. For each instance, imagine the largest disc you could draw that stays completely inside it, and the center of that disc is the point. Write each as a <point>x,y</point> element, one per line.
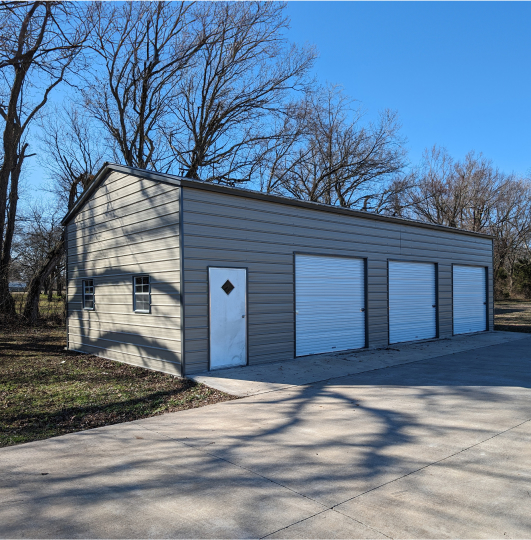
<point>513,315</point>
<point>46,391</point>
<point>53,310</point>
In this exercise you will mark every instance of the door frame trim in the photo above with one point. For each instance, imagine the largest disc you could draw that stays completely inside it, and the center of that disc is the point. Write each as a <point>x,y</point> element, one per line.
<point>436,265</point>
<point>365,295</point>
<point>246,310</point>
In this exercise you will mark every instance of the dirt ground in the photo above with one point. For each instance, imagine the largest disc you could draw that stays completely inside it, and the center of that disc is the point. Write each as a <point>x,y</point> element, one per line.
<point>46,391</point>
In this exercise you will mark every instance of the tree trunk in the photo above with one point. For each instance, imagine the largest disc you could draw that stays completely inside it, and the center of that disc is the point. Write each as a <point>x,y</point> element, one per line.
<point>7,303</point>
<point>31,308</point>
<point>50,289</point>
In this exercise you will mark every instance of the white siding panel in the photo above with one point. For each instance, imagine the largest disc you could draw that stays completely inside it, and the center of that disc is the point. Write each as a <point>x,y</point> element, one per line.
<point>469,299</point>
<point>330,304</point>
<point>412,298</point>
<point>129,226</point>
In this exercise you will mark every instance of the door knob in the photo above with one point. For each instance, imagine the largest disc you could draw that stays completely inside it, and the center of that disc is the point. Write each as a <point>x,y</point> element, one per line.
<point>243,316</point>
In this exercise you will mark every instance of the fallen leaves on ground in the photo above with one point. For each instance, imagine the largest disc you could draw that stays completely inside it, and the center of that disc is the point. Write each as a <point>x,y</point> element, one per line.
<point>46,391</point>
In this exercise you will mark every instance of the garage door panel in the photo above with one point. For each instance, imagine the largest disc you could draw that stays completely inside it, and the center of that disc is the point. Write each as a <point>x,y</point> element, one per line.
<point>330,302</point>
<point>469,299</point>
<point>412,297</point>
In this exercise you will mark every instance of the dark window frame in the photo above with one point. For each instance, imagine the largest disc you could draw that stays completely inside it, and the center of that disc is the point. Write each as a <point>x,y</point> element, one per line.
<point>146,295</point>
<point>84,294</point>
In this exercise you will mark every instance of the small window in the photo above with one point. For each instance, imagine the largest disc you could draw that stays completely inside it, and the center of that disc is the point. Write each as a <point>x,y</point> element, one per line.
<point>141,294</point>
<point>88,294</point>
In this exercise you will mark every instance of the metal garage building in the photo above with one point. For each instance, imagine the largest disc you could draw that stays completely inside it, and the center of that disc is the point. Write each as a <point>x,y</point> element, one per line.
<point>184,276</point>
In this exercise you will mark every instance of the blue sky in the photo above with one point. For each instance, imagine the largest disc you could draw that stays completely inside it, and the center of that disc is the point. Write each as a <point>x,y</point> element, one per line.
<point>458,73</point>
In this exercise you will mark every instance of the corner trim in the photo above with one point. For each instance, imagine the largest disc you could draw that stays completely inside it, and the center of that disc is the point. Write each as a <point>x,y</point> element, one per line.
<point>181,281</point>
<point>66,289</point>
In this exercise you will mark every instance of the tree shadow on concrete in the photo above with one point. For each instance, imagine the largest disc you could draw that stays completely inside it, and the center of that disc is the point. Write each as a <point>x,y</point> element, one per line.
<point>249,467</point>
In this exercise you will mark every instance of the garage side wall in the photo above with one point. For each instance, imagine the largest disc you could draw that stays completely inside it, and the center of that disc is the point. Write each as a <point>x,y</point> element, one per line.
<point>130,226</point>
<point>234,231</point>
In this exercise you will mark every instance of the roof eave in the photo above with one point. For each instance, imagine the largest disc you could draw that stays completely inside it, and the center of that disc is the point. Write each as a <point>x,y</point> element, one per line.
<point>197,184</point>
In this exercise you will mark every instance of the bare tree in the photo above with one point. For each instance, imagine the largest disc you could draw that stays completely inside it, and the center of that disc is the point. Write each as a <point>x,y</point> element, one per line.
<point>474,195</point>
<point>49,264</point>
<point>140,48</point>
<point>510,224</point>
<point>338,160</point>
<point>480,182</point>
<point>231,99</point>
<point>436,197</point>
<point>72,152</point>
<point>39,231</point>
<point>461,194</point>
<point>40,246</point>
<point>73,156</point>
<point>38,44</point>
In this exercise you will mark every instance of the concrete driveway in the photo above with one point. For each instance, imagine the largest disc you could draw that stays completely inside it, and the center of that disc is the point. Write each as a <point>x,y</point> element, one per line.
<point>431,448</point>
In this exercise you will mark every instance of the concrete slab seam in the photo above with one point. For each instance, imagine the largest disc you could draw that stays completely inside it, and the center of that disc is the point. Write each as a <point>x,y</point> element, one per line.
<point>322,512</point>
<point>430,464</point>
<point>333,507</point>
<point>295,523</point>
<point>200,449</point>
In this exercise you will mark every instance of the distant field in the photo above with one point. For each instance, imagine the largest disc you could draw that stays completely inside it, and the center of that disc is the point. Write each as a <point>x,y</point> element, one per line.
<point>54,310</point>
<point>513,315</point>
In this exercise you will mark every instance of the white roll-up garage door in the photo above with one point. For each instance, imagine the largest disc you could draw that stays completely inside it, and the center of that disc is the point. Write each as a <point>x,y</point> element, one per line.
<point>469,299</point>
<point>412,301</point>
<point>329,304</point>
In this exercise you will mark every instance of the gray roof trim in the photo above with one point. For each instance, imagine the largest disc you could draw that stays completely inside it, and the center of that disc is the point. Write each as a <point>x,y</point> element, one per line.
<point>243,192</point>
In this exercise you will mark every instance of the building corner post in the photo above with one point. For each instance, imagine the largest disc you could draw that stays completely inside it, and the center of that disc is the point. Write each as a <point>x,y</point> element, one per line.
<point>181,281</point>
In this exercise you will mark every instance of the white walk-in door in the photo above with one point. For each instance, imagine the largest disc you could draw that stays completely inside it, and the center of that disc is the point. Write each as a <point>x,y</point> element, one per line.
<point>228,312</point>
<point>412,301</point>
<point>329,304</point>
<point>469,299</point>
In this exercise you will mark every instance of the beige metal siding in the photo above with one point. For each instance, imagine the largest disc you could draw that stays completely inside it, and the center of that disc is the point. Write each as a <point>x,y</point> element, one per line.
<point>228,230</point>
<point>129,226</point>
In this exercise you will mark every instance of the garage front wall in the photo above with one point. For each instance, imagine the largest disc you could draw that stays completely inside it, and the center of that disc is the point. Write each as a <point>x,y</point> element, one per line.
<point>221,229</point>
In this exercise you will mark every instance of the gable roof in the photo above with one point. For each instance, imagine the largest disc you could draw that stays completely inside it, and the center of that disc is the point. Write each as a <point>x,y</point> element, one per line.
<point>243,192</point>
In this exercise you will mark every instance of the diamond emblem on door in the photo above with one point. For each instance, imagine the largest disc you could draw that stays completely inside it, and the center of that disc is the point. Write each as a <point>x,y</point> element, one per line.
<point>228,287</point>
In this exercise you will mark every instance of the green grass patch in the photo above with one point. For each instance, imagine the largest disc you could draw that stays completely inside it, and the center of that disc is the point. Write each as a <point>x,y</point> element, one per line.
<point>46,391</point>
